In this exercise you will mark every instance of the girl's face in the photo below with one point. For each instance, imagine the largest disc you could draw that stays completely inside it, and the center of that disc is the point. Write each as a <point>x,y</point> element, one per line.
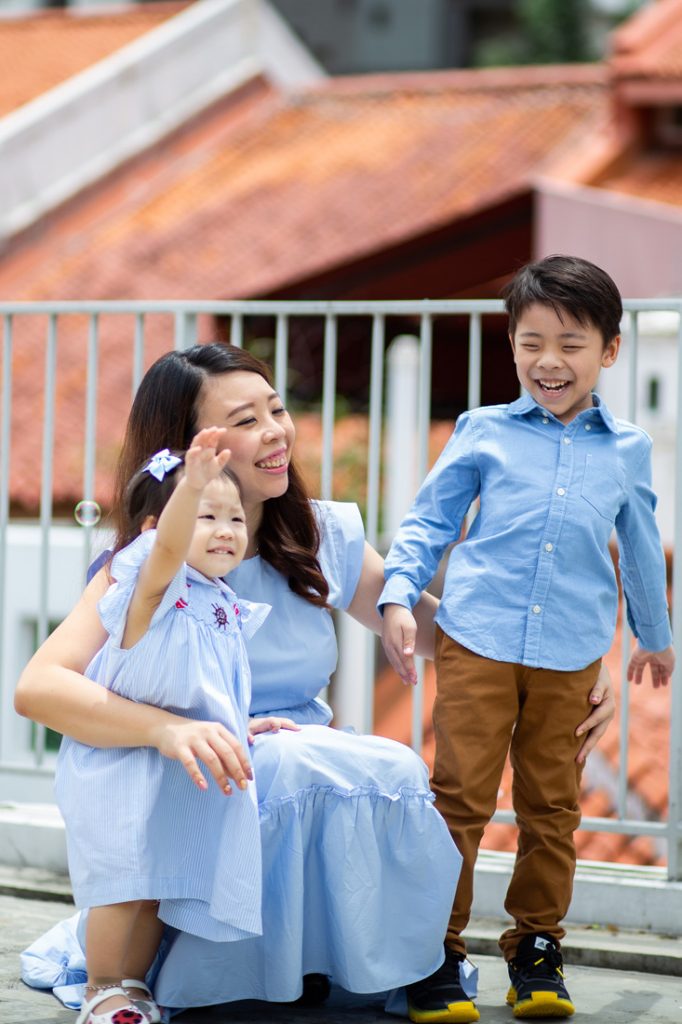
<point>260,434</point>
<point>219,541</point>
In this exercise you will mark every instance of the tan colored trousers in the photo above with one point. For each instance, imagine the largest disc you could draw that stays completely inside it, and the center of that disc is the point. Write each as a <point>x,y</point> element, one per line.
<point>484,709</point>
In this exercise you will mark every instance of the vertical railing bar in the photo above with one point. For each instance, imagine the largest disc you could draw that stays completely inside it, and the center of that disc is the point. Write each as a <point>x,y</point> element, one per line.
<point>376,388</point>
<point>90,433</point>
<point>46,500</point>
<point>179,339</point>
<point>675,779</point>
<point>328,406</point>
<point>475,362</point>
<point>138,351</point>
<point>237,330</point>
<point>376,396</point>
<point>626,635</point>
<point>474,384</point>
<point>185,330</point>
<point>281,355</point>
<point>5,446</point>
<point>423,431</point>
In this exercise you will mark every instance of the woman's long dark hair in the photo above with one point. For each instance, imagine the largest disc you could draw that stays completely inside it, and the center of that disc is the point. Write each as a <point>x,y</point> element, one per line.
<point>164,415</point>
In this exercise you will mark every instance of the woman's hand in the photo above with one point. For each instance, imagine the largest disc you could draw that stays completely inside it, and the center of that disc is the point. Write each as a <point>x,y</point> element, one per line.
<point>185,740</point>
<point>271,723</point>
<point>597,722</point>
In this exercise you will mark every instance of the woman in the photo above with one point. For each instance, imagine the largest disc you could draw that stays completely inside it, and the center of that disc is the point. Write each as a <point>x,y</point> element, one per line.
<point>359,870</point>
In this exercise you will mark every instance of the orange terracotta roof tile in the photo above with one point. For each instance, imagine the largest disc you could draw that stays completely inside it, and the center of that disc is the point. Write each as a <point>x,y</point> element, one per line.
<point>263,190</point>
<point>41,50</point>
<point>649,44</point>
<point>655,176</point>
<point>310,182</point>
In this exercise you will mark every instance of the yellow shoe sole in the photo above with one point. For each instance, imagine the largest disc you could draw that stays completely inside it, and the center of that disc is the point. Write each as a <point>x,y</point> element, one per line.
<point>454,1013</point>
<point>540,1004</point>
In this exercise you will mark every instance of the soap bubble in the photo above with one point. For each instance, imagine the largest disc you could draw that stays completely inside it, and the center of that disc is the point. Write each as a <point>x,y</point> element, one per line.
<point>87,513</point>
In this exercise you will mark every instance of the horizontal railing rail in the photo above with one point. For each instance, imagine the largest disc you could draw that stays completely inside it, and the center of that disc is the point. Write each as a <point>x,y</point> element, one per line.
<point>37,353</point>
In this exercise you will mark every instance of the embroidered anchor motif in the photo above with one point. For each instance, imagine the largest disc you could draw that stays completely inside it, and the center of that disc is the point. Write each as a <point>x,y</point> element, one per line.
<point>220,616</point>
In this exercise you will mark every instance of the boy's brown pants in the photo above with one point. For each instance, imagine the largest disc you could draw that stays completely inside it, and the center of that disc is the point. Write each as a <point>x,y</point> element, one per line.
<point>483,709</point>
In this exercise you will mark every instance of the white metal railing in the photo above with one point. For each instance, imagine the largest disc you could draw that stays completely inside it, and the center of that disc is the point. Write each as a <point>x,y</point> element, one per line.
<point>23,760</point>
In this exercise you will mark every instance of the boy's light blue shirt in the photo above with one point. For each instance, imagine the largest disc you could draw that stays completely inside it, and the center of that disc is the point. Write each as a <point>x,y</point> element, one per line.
<point>534,582</point>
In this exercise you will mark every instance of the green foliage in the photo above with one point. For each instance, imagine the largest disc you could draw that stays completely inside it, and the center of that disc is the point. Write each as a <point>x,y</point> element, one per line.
<point>548,32</point>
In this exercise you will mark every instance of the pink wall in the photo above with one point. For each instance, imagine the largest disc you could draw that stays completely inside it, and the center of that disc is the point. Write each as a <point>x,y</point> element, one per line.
<point>639,242</point>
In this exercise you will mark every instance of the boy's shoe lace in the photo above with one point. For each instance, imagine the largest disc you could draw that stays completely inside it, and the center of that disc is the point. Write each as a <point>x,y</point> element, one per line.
<point>537,980</point>
<point>440,997</point>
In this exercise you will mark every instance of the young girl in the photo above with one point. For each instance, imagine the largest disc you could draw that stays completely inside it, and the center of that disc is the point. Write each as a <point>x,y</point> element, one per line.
<point>144,846</point>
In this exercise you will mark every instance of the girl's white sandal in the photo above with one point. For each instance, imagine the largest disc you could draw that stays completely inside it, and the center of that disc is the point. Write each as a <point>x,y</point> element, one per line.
<point>146,1006</point>
<point>129,1014</point>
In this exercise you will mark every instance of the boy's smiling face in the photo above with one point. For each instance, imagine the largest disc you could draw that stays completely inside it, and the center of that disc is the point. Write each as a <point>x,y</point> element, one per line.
<point>558,359</point>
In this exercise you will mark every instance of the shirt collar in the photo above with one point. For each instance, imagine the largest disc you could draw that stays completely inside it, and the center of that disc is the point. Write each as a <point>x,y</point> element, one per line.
<point>525,404</point>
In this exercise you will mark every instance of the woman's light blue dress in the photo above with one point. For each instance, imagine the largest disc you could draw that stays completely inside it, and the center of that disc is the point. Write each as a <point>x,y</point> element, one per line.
<point>359,870</point>
<point>137,827</point>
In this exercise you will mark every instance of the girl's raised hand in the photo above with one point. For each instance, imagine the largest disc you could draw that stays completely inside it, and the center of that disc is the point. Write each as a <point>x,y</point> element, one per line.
<point>203,461</point>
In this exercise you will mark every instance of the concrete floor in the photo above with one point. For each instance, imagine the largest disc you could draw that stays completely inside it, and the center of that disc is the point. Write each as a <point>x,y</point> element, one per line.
<point>609,996</point>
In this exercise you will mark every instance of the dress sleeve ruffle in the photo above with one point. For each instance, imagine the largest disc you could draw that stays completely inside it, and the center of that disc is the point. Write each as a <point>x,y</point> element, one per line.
<point>125,569</point>
<point>250,615</point>
<point>341,549</point>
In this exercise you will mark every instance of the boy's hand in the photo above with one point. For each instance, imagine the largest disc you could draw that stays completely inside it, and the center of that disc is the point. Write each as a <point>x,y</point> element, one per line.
<point>597,722</point>
<point>661,665</point>
<point>398,635</point>
<point>203,462</point>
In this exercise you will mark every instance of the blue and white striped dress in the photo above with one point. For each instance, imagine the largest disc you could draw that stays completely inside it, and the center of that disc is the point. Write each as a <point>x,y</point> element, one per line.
<point>137,827</point>
<point>359,870</point>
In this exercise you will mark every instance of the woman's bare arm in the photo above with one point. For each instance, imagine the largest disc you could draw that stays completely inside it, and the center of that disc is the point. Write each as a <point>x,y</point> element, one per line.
<point>363,607</point>
<point>53,691</point>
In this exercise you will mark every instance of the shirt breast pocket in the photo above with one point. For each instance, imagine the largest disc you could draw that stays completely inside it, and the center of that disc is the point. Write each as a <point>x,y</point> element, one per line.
<point>602,491</point>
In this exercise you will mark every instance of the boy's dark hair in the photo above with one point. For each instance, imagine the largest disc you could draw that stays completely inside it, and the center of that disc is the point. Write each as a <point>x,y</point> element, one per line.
<point>147,496</point>
<point>567,284</point>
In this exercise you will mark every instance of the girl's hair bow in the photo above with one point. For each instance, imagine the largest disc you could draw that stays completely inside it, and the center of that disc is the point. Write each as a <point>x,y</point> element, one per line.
<point>161,463</point>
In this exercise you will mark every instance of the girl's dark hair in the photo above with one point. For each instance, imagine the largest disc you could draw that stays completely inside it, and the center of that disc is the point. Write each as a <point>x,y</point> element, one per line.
<point>146,496</point>
<point>164,414</point>
<point>570,284</point>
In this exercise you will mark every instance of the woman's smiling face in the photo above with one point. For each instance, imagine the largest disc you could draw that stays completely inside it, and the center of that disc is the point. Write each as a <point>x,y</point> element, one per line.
<point>260,433</point>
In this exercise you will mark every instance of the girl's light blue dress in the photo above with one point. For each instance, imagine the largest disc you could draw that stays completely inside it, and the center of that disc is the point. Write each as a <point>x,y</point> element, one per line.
<point>359,870</point>
<point>136,826</point>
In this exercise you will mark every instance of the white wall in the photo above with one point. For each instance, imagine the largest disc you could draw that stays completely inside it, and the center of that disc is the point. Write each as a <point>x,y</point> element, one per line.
<point>638,241</point>
<point>74,134</point>
<point>67,558</point>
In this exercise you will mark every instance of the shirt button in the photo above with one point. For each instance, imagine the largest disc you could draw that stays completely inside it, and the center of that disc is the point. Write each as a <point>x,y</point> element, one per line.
<point>536,609</point>
<point>545,420</point>
<point>549,547</point>
<point>567,440</point>
<point>588,426</point>
<point>561,491</point>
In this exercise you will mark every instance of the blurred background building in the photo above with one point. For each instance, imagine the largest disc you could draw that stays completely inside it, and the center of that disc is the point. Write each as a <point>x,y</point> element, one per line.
<point>382,149</point>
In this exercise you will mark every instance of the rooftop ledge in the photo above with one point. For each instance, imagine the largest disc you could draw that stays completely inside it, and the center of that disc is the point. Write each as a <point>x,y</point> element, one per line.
<point>606,896</point>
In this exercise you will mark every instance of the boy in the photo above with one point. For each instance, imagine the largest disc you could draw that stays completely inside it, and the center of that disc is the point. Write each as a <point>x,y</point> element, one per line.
<point>528,609</point>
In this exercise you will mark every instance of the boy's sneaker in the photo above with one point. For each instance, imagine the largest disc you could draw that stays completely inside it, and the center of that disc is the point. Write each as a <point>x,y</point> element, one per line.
<point>440,997</point>
<point>537,980</point>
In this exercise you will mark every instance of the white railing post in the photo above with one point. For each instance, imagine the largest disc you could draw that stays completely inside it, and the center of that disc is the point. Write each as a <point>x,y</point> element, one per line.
<point>675,779</point>
<point>402,398</point>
